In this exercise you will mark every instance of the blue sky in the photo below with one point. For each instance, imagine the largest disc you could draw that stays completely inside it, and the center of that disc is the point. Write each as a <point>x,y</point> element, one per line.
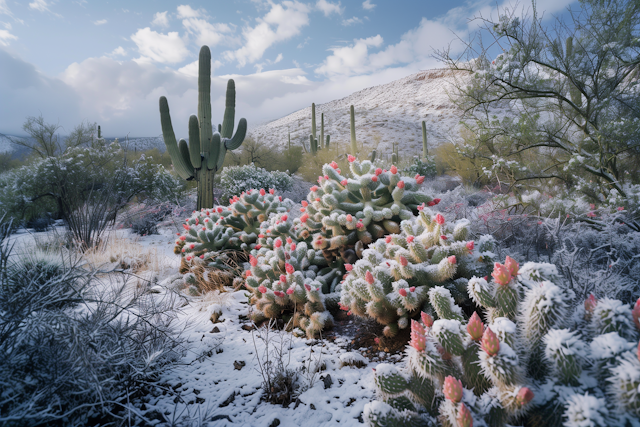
<point>109,61</point>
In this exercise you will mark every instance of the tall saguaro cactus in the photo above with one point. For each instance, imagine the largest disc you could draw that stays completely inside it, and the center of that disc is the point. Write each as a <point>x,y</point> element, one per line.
<point>353,146</point>
<point>425,149</point>
<point>204,155</point>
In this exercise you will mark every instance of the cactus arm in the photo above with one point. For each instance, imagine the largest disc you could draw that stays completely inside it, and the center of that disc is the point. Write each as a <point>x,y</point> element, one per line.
<point>425,150</point>
<point>229,111</point>
<point>328,138</point>
<point>170,141</point>
<point>194,142</point>
<point>220,151</point>
<point>184,152</point>
<point>313,120</point>
<point>204,104</point>
<point>238,138</point>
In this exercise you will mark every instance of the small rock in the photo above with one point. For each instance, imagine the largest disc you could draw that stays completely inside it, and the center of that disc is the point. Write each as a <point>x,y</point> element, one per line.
<point>327,381</point>
<point>228,400</point>
<point>215,330</point>
<point>275,423</point>
<point>248,327</point>
<point>239,364</point>
<point>312,406</point>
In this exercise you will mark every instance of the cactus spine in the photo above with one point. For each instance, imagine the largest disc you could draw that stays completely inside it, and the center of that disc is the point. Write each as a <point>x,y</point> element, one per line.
<point>205,153</point>
<point>425,150</point>
<point>353,147</point>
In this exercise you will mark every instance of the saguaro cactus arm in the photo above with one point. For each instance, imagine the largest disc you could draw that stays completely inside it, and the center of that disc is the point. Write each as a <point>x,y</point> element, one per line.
<point>169,136</point>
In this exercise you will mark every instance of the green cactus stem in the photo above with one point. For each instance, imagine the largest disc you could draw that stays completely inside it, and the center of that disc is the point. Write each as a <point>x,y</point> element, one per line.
<point>204,155</point>
<point>574,92</point>
<point>322,130</point>
<point>425,149</point>
<point>353,146</point>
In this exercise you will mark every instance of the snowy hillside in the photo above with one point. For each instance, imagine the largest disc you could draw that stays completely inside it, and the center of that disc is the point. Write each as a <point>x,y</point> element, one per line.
<point>384,114</point>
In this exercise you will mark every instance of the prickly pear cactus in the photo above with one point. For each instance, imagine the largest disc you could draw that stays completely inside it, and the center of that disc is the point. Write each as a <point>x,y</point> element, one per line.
<point>228,227</point>
<point>394,279</point>
<point>345,213</point>
<point>289,280</point>
<point>534,366</point>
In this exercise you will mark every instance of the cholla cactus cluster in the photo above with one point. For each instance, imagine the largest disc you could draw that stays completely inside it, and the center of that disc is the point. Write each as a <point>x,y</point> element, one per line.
<point>233,227</point>
<point>289,279</point>
<point>344,214</point>
<point>391,283</point>
<point>526,363</point>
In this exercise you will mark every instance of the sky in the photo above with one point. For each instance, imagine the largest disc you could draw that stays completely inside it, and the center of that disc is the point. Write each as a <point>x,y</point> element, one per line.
<point>110,61</point>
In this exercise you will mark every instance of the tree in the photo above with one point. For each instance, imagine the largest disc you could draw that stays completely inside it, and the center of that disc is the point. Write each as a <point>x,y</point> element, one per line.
<point>571,90</point>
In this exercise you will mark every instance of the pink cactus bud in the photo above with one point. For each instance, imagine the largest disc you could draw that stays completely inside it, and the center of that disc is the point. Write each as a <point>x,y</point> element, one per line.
<point>289,240</point>
<point>490,342</point>
<point>284,218</point>
<point>369,277</point>
<point>377,341</point>
<point>590,303</point>
<point>418,341</point>
<point>439,219</point>
<point>431,203</point>
<point>351,159</point>
<point>378,171</point>
<point>314,188</point>
<point>278,293</point>
<point>412,289</point>
<point>401,184</point>
<point>426,319</point>
<point>348,267</point>
<point>183,238</point>
<point>452,259</point>
<point>394,169</point>
<point>304,203</point>
<point>344,182</point>
<point>319,179</point>
<point>436,201</point>
<point>326,177</point>
<point>419,179</point>
<point>272,191</point>
<point>374,178</point>
<point>289,268</point>
<point>189,258</point>
<point>452,389</point>
<point>304,218</point>
<point>277,243</point>
<point>262,192</point>
<point>635,313</point>
<point>186,227</point>
<point>403,261</point>
<point>410,239</point>
<point>421,207</point>
<point>283,278</point>
<point>512,265</point>
<point>470,245</point>
<point>475,327</point>
<point>289,291</point>
<point>525,395</point>
<point>349,218</point>
<point>293,246</point>
<point>248,273</point>
<point>501,274</point>
<point>464,417</point>
<point>359,226</point>
<point>402,292</point>
<point>317,199</point>
<point>307,287</point>
<point>253,261</point>
<point>387,239</point>
<point>333,164</point>
<point>262,289</point>
<point>417,327</point>
<point>258,246</point>
<point>261,236</point>
<point>192,246</point>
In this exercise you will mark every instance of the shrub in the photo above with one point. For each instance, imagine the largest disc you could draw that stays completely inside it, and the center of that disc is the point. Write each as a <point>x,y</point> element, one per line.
<point>424,167</point>
<point>235,180</point>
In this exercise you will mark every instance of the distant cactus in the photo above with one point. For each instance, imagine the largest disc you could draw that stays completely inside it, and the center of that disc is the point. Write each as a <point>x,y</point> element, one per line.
<point>314,145</point>
<point>353,147</point>
<point>425,149</point>
<point>204,155</point>
<point>534,364</point>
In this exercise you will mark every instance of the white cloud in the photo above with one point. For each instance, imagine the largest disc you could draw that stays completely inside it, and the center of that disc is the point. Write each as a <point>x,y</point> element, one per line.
<point>350,59</point>
<point>206,33</point>
<point>351,21</point>
<point>165,48</point>
<point>367,5</point>
<point>6,37</point>
<point>4,10</point>
<point>282,22</point>
<point>100,22</point>
<point>278,58</point>
<point>328,8</point>
<point>185,11</point>
<point>160,19</point>
<point>119,51</point>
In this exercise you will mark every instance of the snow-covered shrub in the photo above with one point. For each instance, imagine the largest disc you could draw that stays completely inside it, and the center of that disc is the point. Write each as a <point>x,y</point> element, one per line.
<point>235,180</point>
<point>425,167</point>
<point>531,359</point>
<point>73,351</point>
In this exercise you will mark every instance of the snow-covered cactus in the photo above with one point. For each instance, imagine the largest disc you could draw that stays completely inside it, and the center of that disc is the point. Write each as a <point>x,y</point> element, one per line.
<point>394,280</point>
<point>228,227</point>
<point>537,367</point>
<point>348,212</point>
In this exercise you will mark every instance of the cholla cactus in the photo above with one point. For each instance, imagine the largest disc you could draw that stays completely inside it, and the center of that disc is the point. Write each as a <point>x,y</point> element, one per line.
<point>395,278</point>
<point>463,373</point>
<point>347,213</point>
<point>289,279</point>
<point>233,227</point>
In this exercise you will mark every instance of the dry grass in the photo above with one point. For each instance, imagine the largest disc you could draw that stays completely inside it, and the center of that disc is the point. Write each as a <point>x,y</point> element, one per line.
<point>125,254</point>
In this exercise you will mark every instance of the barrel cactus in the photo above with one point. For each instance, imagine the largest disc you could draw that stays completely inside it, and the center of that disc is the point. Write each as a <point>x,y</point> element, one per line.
<point>392,282</point>
<point>204,155</point>
<point>533,361</point>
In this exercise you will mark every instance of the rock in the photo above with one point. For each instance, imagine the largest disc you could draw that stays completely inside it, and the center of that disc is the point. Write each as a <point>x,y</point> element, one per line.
<point>328,382</point>
<point>275,423</point>
<point>248,327</point>
<point>215,330</point>
<point>239,364</point>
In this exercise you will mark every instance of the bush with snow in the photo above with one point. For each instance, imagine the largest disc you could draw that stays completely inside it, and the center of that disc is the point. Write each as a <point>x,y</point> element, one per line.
<point>236,180</point>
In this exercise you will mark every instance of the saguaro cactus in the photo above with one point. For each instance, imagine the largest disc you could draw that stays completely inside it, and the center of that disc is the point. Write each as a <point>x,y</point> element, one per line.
<point>203,156</point>
<point>353,147</point>
<point>425,150</point>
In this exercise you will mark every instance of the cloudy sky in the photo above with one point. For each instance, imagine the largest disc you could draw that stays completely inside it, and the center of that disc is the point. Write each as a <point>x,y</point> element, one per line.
<point>109,61</point>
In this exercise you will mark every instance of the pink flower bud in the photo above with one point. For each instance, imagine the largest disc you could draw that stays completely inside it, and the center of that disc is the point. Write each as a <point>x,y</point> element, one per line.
<point>475,327</point>
<point>262,192</point>
<point>412,289</point>
<point>490,342</point>
<point>426,319</point>
<point>374,178</point>
<point>344,182</point>
<point>349,218</point>
<point>351,159</point>
<point>277,243</point>
<point>258,246</point>
<point>394,169</point>
<point>439,219</point>
<point>192,246</point>
<point>188,257</point>
<point>377,341</point>
<point>304,203</point>
<point>421,207</point>
<point>278,293</point>
<point>525,395</point>
<point>183,238</point>
<point>512,265</point>
<point>452,259</point>
<point>590,303</point>
<point>431,203</point>
<point>470,245</point>
<point>436,201</point>
<point>293,246</point>
<point>401,184</point>
<point>403,261</point>
<point>369,277</point>
<point>419,179</point>
<point>452,389</point>
<point>326,177</point>
<point>307,287</point>
<point>253,261</point>
<point>284,217</point>
<point>359,225</point>
<point>262,289</point>
<point>289,268</point>
<point>418,341</point>
<point>283,278</point>
<point>410,239</point>
<point>635,313</point>
<point>501,274</point>
<point>289,291</point>
<point>314,188</point>
<point>333,165</point>
<point>348,267</point>
<point>464,417</point>
<point>378,171</point>
<point>304,218</point>
<point>387,239</point>
<point>402,292</point>
<point>248,273</point>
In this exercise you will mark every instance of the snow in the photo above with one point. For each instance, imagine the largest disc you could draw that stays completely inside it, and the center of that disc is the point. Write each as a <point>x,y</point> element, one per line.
<point>609,345</point>
<point>586,411</point>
